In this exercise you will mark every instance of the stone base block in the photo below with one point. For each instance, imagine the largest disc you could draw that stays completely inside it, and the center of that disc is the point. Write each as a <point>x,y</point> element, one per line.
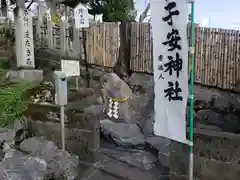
<point>28,75</point>
<point>77,141</point>
<point>204,168</point>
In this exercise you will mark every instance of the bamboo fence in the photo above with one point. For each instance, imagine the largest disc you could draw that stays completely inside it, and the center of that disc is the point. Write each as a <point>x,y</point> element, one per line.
<point>217,51</point>
<point>217,54</point>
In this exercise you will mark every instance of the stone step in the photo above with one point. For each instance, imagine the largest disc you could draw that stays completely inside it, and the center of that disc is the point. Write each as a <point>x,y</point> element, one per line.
<point>220,146</point>
<point>77,141</point>
<point>74,94</point>
<point>78,115</point>
<point>204,168</point>
<point>95,174</point>
<point>83,167</point>
<point>123,170</point>
<point>134,157</point>
<point>83,103</point>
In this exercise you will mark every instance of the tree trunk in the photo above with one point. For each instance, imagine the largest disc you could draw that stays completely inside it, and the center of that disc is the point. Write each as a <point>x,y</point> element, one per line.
<point>122,67</point>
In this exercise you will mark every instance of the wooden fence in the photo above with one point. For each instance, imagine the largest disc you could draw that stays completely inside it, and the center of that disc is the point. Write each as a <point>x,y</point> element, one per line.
<point>103,43</point>
<point>217,51</point>
<point>217,54</point>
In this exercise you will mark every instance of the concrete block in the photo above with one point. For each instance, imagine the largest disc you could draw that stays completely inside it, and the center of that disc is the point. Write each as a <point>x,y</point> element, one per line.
<point>24,74</point>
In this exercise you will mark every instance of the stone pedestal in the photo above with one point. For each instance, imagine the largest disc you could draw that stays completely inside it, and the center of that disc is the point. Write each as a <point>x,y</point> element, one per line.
<point>27,75</point>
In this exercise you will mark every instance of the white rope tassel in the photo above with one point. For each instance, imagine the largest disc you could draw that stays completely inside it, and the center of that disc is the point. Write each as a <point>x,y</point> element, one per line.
<point>110,107</point>
<point>115,110</point>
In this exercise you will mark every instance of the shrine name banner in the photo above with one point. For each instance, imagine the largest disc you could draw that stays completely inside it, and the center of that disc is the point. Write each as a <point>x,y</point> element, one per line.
<point>170,61</point>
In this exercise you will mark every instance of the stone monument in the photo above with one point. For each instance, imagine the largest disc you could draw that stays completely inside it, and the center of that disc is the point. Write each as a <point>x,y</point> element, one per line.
<point>25,66</point>
<point>116,94</point>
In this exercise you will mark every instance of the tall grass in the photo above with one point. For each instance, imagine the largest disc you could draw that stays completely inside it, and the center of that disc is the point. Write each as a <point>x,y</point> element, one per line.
<point>12,101</point>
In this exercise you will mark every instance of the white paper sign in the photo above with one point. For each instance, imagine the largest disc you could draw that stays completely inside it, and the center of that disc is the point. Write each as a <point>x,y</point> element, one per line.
<point>70,67</point>
<point>170,55</point>
<point>81,16</point>
<point>26,41</point>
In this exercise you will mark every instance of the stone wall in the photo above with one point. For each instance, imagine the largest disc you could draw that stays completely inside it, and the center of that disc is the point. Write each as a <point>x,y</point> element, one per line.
<point>216,137</point>
<point>217,124</point>
<point>81,128</point>
<point>217,156</point>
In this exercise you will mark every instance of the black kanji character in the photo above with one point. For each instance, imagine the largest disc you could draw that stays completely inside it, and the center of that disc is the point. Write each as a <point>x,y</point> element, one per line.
<point>25,24</point>
<point>173,92</point>
<point>27,43</point>
<point>173,38</point>
<point>174,65</point>
<point>81,20</point>
<point>169,8</point>
<point>190,17</point>
<point>160,58</point>
<point>29,62</point>
<point>26,34</point>
<point>80,12</point>
<point>161,76</point>
<point>160,67</point>
<point>25,18</point>
<point>28,52</point>
<point>25,12</point>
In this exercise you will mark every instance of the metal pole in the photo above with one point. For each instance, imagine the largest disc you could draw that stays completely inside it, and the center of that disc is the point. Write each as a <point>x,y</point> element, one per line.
<point>80,50</point>
<point>62,127</point>
<point>85,56</point>
<point>77,86</point>
<point>191,93</point>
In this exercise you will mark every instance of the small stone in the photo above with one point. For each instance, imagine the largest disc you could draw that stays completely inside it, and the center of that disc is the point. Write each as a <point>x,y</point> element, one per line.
<point>164,159</point>
<point>7,135</point>
<point>127,135</point>
<point>209,117</point>
<point>200,104</point>
<point>143,112</point>
<point>200,126</point>
<point>159,143</point>
<point>138,158</point>
<point>162,145</point>
<point>141,81</point>
<point>59,162</point>
<point>124,171</point>
<point>17,165</point>
<point>232,123</point>
<point>220,103</point>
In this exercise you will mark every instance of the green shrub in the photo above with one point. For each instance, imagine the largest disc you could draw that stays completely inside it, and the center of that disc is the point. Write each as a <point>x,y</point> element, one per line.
<point>4,63</point>
<point>12,102</point>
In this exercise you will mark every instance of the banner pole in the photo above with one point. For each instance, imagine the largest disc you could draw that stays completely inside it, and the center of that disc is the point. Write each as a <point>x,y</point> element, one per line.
<point>192,41</point>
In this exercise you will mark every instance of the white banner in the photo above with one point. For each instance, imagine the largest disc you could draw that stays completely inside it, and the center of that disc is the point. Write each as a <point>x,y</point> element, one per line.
<point>170,56</point>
